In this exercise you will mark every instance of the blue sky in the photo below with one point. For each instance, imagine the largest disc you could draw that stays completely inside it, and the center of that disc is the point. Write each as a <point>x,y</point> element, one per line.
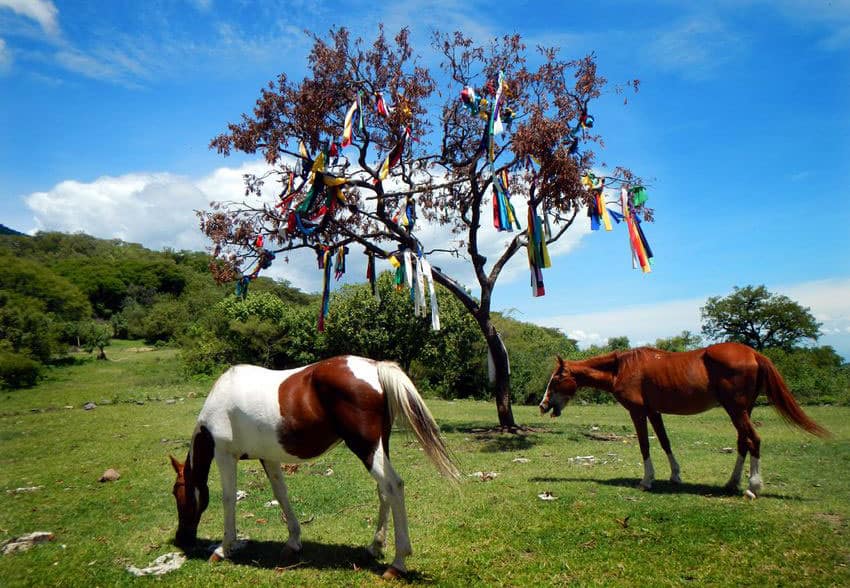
<point>741,123</point>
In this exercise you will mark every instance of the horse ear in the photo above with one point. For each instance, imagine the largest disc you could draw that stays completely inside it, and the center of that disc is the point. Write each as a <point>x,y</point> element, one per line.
<point>178,467</point>
<point>560,361</point>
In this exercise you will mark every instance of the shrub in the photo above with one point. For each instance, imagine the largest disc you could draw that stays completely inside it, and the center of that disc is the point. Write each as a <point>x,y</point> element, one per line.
<point>814,375</point>
<point>18,371</point>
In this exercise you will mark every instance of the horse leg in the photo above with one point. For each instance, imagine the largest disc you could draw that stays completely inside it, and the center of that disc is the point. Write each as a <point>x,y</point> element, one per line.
<point>392,488</point>
<point>227,471</point>
<point>639,420</point>
<point>748,441</point>
<point>293,543</point>
<point>376,549</point>
<point>735,480</point>
<point>754,447</point>
<point>661,432</point>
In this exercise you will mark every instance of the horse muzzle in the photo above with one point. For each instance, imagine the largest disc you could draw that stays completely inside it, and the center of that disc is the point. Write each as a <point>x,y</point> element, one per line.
<point>544,407</point>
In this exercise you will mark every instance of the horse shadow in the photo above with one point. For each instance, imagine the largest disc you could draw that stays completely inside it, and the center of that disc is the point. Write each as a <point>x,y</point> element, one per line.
<point>316,556</point>
<point>668,488</point>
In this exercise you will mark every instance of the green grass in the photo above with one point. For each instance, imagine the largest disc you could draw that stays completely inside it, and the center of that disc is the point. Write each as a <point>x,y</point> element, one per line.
<point>600,531</point>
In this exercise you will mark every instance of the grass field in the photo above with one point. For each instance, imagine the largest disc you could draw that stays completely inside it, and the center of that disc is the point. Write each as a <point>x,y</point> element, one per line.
<point>600,530</point>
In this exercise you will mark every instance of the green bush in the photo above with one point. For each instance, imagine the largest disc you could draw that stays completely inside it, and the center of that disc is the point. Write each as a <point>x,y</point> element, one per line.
<point>532,350</point>
<point>259,329</point>
<point>814,375</point>
<point>18,371</point>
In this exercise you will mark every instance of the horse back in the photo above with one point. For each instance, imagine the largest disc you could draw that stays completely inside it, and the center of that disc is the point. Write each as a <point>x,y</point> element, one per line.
<point>667,382</point>
<point>690,382</point>
<point>243,414</point>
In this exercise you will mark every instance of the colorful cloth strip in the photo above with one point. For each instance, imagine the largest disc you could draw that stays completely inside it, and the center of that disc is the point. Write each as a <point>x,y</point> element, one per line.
<point>347,124</point>
<point>325,266</point>
<point>339,268</point>
<point>504,215</point>
<point>641,253</point>
<point>371,275</point>
<point>394,155</point>
<point>538,252</point>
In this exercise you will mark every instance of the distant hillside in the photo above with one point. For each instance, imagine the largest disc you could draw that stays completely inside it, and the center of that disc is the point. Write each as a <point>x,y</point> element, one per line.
<point>4,230</point>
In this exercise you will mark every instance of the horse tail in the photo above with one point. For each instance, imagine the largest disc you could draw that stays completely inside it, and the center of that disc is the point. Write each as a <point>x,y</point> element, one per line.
<point>403,400</point>
<point>782,400</point>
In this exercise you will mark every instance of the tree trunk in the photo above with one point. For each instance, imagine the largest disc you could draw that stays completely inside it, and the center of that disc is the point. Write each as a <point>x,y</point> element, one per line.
<point>501,377</point>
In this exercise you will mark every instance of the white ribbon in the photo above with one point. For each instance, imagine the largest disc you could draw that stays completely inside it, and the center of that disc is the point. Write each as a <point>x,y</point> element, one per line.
<point>408,269</point>
<point>435,310</point>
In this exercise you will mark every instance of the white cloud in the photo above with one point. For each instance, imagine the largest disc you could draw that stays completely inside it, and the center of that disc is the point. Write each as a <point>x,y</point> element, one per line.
<point>829,301</point>
<point>44,12</point>
<point>643,324</point>
<point>695,48</point>
<point>153,209</point>
<point>157,210</point>
<point>201,5</point>
<point>5,57</point>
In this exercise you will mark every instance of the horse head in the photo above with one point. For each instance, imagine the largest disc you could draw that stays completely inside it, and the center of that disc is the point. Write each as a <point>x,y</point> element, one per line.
<point>191,500</point>
<point>561,388</point>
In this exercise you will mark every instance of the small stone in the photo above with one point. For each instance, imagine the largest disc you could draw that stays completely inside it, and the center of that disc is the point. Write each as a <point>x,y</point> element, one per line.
<point>170,401</point>
<point>109,475</point>
<point>89,406</point>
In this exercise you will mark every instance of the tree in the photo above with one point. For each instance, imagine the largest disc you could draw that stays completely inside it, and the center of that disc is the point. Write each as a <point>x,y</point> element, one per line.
<point>259,328</point>
<point>381,327</point>
<point>684,341</point>
<point>406,156</point>
<point>753,316</point>
<point>96,335</point>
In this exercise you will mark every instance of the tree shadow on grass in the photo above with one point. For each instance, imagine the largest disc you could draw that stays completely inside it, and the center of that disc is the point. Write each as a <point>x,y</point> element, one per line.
<point>316,556</point>
<point>499,439</point>
<point>667,487</point>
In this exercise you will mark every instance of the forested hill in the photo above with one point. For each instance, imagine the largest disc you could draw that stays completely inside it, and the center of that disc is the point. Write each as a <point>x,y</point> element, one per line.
<point>59,290</point>
<point>4,230</point>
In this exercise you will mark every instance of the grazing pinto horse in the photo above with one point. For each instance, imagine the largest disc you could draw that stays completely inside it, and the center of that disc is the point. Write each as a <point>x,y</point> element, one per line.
<point>296,415</point>
<point>649,382</point>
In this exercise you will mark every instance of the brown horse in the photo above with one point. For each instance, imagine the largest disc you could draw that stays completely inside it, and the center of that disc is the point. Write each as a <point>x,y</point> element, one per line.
<point>649,382</point>
<point>296,415</point>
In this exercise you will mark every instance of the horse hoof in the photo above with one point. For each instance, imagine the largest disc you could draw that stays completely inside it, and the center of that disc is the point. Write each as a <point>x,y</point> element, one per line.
<point>676,479</point>
<point>643,487</point>
<point>749,494</point>
<point>392,573</point>
<point>215,557</point>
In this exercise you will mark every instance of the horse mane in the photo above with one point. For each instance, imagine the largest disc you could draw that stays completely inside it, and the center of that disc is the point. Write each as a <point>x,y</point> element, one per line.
<point>638,355</point>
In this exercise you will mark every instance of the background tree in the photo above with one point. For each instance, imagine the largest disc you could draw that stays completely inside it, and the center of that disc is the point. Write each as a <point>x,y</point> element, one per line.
<point>684,341</point>
<point>758,318</point>
<point>381,327</point>
<point>413,149</point>
<point>96,335</point>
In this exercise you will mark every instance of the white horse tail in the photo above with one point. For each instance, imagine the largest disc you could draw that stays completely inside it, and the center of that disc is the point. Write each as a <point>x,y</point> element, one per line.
<point>403,399</point>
